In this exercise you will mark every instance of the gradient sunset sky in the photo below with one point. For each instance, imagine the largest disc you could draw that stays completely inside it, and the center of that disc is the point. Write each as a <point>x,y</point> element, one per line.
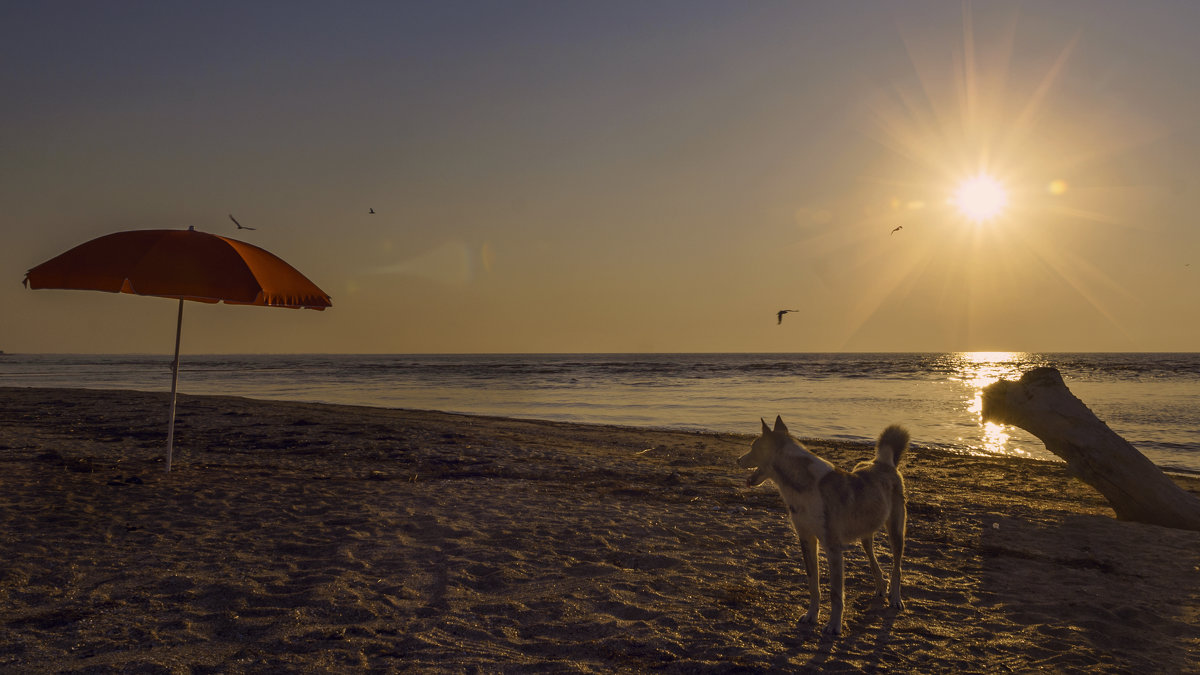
<point>616,176</point>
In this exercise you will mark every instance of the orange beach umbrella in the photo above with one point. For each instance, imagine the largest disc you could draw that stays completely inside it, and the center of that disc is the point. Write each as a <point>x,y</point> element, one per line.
<point>183,264</point>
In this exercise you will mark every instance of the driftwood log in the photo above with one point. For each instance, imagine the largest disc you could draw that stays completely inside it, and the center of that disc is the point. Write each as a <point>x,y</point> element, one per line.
<point>1041,404</point>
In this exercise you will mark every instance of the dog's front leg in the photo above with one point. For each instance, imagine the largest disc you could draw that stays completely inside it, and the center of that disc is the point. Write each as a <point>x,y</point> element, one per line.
<point>808,546</point>
<point>837,589</point>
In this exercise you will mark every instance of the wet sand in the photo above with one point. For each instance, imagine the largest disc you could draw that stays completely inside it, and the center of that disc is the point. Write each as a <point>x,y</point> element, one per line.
<point>295,537</point>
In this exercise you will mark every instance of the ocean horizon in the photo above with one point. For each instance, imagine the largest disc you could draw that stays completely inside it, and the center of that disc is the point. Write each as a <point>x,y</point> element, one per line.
<point>1150,399</point>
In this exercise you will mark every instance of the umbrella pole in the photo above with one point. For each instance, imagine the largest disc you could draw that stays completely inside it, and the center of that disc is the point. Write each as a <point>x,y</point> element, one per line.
<point>174,386</point>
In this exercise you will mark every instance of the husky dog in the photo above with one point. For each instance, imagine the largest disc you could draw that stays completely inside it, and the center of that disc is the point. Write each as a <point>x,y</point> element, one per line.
<point>836,508</point>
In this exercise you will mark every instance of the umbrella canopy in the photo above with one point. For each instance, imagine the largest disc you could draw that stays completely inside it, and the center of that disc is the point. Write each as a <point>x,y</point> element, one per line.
<point>182,264</point>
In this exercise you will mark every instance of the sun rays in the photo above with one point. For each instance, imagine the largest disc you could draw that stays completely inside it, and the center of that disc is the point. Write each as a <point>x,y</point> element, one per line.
<point>981,144</point>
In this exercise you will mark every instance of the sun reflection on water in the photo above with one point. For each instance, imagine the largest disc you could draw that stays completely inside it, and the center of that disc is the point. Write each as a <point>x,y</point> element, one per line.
<point>976,370</point>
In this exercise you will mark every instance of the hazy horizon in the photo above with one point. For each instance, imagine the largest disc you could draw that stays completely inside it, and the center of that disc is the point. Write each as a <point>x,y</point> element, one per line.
<point>593,178</point>
<point>589,354</point>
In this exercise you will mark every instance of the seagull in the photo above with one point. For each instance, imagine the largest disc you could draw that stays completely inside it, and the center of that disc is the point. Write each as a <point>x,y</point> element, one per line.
<point>371,211</point>
<point>896,229</point>
<point>240,226</point>
<point>780,313</point>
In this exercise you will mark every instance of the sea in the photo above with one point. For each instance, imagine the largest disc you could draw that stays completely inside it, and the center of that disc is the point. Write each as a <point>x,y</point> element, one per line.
<point>1152,400</point>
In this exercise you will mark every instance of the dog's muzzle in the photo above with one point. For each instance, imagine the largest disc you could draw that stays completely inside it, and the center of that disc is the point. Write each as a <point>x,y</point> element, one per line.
<point>756,478</point>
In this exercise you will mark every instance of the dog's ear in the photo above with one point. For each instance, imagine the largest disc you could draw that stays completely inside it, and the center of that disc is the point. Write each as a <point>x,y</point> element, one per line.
<point>780,428</point>
<point>766,429</point>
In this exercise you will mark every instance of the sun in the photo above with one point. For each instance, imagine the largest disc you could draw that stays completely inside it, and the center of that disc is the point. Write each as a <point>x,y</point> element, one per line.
<point>980,198</point>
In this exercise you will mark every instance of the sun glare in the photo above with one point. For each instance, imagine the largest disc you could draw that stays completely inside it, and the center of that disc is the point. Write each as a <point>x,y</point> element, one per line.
<point>980,198</point>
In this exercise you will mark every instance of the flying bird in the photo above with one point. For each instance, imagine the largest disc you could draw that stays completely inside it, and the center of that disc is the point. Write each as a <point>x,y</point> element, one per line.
<point>896,229</point>
<point>371,211</point>
<point>239,225</point>
<point>780,313</point>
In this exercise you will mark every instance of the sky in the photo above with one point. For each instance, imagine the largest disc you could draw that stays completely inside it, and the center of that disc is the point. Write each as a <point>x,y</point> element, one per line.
<point>616,176</point>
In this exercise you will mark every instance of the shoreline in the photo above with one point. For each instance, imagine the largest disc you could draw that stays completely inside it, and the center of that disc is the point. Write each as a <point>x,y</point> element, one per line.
<point>953,449</point>
<point>303,536</point>
<point>1147,397</point>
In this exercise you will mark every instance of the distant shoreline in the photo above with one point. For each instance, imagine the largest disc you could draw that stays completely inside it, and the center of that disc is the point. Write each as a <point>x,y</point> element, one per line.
<point>965,452</point>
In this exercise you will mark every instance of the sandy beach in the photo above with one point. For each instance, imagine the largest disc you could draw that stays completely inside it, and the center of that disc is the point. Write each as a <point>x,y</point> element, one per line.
<point>316,538</point>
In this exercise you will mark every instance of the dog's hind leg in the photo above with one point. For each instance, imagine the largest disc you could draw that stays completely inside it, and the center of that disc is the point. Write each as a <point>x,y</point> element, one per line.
<point>808,546</point>
<point>868,544</point>
<point>895,528</point>
<point>837,590</point>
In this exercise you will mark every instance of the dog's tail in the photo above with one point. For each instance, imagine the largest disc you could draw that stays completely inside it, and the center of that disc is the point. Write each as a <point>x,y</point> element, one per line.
<point>893,442</point>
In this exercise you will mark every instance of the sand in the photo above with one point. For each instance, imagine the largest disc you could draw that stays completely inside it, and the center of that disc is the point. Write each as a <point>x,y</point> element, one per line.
<point>317,538</point>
